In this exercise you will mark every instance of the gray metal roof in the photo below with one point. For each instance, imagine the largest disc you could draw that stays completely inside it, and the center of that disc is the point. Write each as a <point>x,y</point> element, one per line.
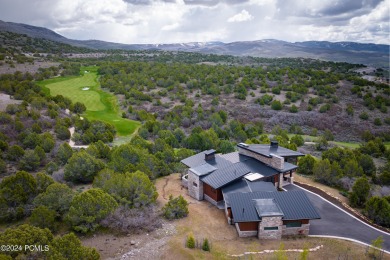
<point>243,185</point>
<point>203,169</point>
<point>294,205</point>
<point>223,176</point>
<point>195,160</point>
<point>267,208</point>
<point>254,164</point>
<point>261,186</point>
<point>266,150</point>
<point>235,157</point>
<point>199,159</point>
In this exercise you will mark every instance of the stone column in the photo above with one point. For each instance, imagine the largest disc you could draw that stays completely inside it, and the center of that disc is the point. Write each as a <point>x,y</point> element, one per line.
<point>270,222</point>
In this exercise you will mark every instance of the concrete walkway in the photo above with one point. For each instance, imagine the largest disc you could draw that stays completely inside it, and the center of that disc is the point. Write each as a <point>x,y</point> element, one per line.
<point>336,222</point>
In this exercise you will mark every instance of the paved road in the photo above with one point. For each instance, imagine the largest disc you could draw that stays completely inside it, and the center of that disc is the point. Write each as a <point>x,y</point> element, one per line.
<point>335,222</point>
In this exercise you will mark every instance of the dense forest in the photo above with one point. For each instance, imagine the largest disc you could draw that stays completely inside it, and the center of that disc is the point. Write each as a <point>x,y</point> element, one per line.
<point>187,103</point>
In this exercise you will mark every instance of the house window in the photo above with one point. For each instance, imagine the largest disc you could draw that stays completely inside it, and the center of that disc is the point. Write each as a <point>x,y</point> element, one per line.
<point>195,184</point>
<point>293,224</point>
<point>271,228</point>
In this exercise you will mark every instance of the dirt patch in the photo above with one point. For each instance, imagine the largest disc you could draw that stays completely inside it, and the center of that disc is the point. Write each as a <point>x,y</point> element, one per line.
<point>5,100</point>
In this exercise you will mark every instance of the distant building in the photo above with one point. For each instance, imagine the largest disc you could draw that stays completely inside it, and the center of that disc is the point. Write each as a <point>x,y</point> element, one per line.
<point>245,184</point>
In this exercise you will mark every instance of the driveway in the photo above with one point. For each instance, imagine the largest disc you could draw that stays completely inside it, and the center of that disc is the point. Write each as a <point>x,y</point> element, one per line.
<point>335,222</point>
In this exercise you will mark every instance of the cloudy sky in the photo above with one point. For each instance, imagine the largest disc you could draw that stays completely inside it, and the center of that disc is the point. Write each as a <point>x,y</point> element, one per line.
<point>169,21</point>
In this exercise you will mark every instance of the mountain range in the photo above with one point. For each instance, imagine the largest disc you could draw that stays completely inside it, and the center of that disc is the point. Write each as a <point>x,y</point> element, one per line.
<point>362,53</point>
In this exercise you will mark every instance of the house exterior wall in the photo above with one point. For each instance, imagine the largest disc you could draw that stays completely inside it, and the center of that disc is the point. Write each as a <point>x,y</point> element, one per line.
<point>275,161</point>
<point>195,186</point>
<point>211,200</point>
<point>215,194</point>
<point>268,222</point>
<point>242,233</point>
<point>249,229</point>
<point>184,181</point>
<point>249,226</point>
<point>302,230</point>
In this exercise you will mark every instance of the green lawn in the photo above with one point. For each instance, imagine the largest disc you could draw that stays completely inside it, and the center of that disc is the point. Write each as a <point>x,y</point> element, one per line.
<point>73,89</point>
<point>100,104</point>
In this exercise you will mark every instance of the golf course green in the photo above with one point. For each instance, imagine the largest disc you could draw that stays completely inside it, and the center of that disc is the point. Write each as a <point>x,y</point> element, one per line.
<point>100,105</point>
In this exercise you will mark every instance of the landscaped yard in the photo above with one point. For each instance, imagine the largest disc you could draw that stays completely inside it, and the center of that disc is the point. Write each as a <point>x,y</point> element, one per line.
<point>100,105</point>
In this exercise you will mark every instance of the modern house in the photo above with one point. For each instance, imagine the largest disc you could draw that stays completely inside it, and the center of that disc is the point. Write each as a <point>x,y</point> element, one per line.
<point>247,184</point>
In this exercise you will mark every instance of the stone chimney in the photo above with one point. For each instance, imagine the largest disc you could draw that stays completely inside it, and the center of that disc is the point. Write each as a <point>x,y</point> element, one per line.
<point>274,144</point>
<point>277,161</point>
<point>209,154</point>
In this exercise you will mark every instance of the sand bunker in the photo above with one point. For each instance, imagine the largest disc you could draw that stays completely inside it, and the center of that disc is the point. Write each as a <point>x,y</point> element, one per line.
<point>85,88</point>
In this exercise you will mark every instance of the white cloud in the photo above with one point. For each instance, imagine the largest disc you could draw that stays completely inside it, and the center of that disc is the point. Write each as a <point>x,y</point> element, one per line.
<point>243,16</point>
<point>167,21</point>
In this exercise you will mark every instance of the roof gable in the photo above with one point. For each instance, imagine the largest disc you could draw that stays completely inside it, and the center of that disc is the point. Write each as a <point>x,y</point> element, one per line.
<point>223,176</point>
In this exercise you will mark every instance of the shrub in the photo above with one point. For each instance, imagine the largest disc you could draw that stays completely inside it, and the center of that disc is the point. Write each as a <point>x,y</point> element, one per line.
<point>360,192</point>
<point>306,164</point>
<point>175,208</point>
<point>293,109</point>
<point>378,209</point>
<point>276,105</point>
<point>377,121</point>
<point>205,245</point>
<point>87,209</point>
<point>136,220</point>
<point>43,217</point>
<point>363,116</point>
<point>324,108</point>
<point>190,243</point>
<point>350,110</point>
<point>297,139</point>
<point>82,167</point>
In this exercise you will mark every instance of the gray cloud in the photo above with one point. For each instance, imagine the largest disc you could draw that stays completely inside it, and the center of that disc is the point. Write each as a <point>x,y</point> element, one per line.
<point>350,6</point>
<point>161,21</point>
<point>214,2</point>
<point>147,2</point>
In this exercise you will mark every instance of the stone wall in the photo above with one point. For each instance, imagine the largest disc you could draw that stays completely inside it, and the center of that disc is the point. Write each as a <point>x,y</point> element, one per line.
<point>206,197</point>
<point>277,162</point>
<point>195,186</point>
<point>245,233</point>
<point>184,181</point>
<point>302,230</point>
<point>270,222</point>
<point>274,161</point>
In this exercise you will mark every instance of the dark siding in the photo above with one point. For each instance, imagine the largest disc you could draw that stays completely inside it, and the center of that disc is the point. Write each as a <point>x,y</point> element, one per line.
<point>215,194</point>
<point>248,226</point>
